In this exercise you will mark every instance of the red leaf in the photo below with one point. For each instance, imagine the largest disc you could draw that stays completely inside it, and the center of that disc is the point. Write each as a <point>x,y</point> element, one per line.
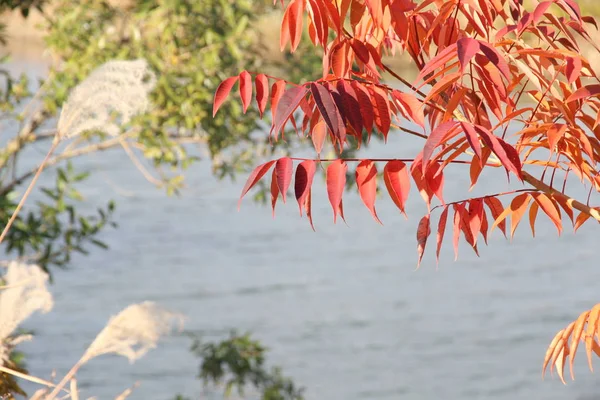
<point>456,232</point>
<point>573,68</point>
<point>318,135</point>
<point>423,232</point>
<point>309,208</point>
<point>329,111</point>
<point>382,110</point>
<point>495,58</point>
<point>442,58</point>
<point>441,231</point>
<point>222,92</point>
<point>277,91</point>
<point>274,190</point>
<point>290,100</point>
<point>364,101</point>
<point>475,217</point>
<point>473,140</point>
<point>303,181</point>
<point>336,181</point>
<point>496,208</point>
<point>366,180</point>
<point>466,49</point>
<point>508,155</point>
<point>262,92</point>
<point>584,92</point>
<point>434,179</point>
<point>254,177</point>
<point>245,89</point>
<point>434,139</point>
<point>284,168</point>
<point>291,26</point>
<point>465,227</point>
<point>351,105</point>
<point>397,182</point>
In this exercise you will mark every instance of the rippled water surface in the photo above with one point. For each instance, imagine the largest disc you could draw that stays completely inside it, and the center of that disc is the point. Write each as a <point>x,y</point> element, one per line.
<point>343,310</point>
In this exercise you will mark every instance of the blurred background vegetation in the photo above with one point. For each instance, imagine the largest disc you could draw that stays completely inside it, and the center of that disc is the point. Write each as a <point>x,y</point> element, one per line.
<point>191,46</point>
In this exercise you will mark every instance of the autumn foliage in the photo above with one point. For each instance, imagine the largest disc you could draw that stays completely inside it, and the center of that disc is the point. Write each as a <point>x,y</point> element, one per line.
<point>483,65</point>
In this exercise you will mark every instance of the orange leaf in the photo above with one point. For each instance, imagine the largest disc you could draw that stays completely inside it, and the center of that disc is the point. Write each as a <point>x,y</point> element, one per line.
<point>518,206</point>
<point>581,218</point>
<point>533,210</point>
<point>550,207</point>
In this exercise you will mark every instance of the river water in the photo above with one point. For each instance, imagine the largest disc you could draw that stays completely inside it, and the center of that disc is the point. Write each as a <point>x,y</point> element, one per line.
<point>342,309</point>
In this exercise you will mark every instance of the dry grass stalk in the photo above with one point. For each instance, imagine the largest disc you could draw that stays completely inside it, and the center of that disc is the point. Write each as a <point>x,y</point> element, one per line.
<point>114,88</point>
<point>131,333</point>
<point>25,292</point>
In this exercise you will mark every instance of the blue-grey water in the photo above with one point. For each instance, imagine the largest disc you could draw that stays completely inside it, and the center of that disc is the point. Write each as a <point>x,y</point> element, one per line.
<point>342,309</point>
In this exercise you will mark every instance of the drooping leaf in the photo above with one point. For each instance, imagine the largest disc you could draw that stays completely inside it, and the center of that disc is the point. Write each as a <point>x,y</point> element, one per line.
<point>318,135</point>
<point>328,110</point>
<point>351,105</point>
<point>366,180</point>
<point>305,171</point>
<point>466,49</point>
<point>262,92</point>
<point>274,190</point>
<point>434,139</point>
<point>397,182</point>
<point>284,168</point>
<point>336,181</point>
<point>245,89</point>
<point>550,207</point>
<point>364,101</point>
<point>222,92</point>
<point>423,232</point>
<point>441,231</point>
<point>412,106</point>
<point>254,177</point>
<point>289,102</point>
<point>456,232</point>
<point>496,208</point>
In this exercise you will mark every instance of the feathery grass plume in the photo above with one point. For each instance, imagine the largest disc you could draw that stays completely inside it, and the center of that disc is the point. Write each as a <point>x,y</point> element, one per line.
<point>25,292</point>
<point>131,333</point>
<point>110,96</point>
<point>116,87</point>
<point>134,331</point>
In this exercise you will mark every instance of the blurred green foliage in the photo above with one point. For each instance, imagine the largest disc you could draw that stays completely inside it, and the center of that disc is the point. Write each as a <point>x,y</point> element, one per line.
<point>238,362</point>
<point>191,46</point>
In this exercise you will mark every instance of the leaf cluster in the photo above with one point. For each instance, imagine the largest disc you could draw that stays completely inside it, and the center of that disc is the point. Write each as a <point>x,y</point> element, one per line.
<point>487,68</point>
<point>239,361</point>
